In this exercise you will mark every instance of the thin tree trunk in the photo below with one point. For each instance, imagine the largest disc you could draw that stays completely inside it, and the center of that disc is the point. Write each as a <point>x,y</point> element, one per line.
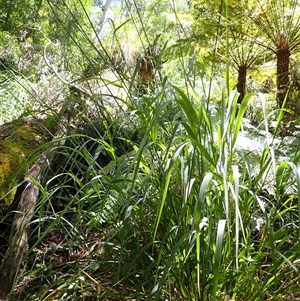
<point>241,85</point>
<point>102,18</point>
<point>283,65</point>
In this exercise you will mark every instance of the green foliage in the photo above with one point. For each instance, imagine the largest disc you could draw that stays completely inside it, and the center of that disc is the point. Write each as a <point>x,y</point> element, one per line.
<point>9,51</point>
<point>15,99</point>
<point>19,16</point>
<point>179,213</point>
<point>170,194</point>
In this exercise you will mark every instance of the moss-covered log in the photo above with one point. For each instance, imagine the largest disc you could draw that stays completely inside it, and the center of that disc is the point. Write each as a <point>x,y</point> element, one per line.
<point>29,148</point>
<point>19,141</point>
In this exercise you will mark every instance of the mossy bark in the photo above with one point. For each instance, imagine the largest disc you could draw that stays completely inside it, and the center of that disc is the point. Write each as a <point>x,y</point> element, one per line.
<point>19,141</point>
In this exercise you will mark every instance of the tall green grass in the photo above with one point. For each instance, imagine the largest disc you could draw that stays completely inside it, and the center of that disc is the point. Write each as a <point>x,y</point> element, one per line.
<point>161,203</point>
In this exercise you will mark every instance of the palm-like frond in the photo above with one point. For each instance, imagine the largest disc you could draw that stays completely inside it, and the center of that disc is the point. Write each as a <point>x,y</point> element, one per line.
<point>279,21</point>
<point>280,25</point>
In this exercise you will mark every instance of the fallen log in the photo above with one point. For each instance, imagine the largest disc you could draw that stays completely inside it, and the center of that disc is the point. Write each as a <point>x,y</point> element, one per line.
<point>28,141</point>
<point>19,234</point>
<point>18,240</point>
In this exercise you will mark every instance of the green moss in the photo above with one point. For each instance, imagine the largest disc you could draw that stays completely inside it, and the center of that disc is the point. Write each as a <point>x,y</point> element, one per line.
<point>18,141</point>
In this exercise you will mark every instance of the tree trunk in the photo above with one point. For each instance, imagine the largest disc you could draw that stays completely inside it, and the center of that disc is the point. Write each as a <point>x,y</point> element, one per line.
<point>105,7</point>
<point>283,65</point>
<point>241,85</point>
